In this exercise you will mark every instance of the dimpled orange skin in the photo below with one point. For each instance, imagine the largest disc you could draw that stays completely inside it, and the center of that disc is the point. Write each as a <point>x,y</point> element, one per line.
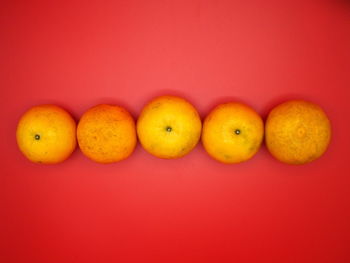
<point>169,127</point>
<point>232,133</point>
<point>107,134</point>
<point>46,134</point>
<point>297,132</point>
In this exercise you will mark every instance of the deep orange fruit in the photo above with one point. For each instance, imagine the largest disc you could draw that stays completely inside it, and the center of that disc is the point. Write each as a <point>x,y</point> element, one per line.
<point>107,133</point>
<point>297,132</point>
<point>232,133</point>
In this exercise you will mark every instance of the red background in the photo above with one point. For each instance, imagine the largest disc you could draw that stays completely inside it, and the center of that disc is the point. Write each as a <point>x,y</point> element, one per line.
<point>80,53</point>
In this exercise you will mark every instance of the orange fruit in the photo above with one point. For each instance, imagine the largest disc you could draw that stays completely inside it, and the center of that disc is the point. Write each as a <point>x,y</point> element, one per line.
<point>169,127</point>
<point>46,134</point>
<point>232,133</point>
<point>297,132</point>
<point>106,133</point>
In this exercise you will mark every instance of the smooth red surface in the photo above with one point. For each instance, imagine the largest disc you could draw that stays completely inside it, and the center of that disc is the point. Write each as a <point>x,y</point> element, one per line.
<point>80,53</point>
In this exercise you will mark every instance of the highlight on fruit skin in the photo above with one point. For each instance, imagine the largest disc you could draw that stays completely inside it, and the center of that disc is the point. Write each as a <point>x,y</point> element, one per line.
<point>169,127</point>
<point>107,133</point>
<point>297,132</point>
<point>46,134</point>
<point>232,133</point>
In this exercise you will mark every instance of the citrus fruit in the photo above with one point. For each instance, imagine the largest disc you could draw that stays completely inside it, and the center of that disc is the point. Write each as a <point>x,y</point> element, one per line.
<point>297,132</point>
<point>46,134</point>
<point>106,133</point>
<point>232,132</point>
<point>169,127</point>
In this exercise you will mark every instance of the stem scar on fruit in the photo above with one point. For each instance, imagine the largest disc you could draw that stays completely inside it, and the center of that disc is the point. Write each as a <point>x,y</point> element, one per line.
<point>237,131</point>
<point>168,129</point>
<point>37,137</point>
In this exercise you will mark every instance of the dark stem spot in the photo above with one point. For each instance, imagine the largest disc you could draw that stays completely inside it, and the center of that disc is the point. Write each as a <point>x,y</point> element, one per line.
<point>37,137</point>
<point>237,131</point>
<point>168,129</point>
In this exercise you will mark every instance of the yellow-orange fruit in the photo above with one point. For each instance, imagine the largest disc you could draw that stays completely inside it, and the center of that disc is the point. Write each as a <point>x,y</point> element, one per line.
<point>46,134</point>
<point>169,127</point>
